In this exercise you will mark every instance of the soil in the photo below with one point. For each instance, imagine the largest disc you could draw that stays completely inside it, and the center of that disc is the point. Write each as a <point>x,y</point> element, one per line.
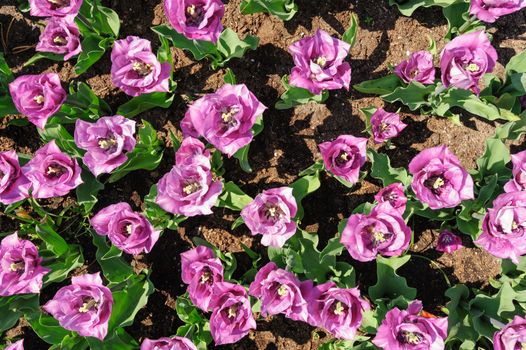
<point>287,145</point>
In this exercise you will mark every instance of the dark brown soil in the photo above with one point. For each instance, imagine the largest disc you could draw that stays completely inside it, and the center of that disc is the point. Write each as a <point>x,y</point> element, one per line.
<point>287,145</point>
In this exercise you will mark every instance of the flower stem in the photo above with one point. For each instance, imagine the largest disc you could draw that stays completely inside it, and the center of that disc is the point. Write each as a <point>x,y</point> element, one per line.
<point>87,23</point>
<point>435,264</point>
<point>467,24</point>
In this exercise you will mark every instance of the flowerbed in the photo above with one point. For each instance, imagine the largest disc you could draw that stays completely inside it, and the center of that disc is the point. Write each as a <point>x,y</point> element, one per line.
<point>87,149</point>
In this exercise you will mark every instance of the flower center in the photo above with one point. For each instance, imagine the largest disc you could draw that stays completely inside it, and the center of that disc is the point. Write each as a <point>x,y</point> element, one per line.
<point>205,277</point>
<point>59,3</point>
<point>342,158</point>
<point>383,126</point>
<point>60,40</point>
<point>514,225</point>
<point>141,68</point>
<point>55,170</point>
<point>17,266</point>
<point>232,311</point>
<point>194,15</point>
<point>338,309</point>
<point>272,212</point>
<point>88,305</point>
<point>39,99</point>
<point>228,115</point>
<point>435,184</point>
<point>283,291</point>
<point>473,67</point>
<point>128,229</point>
<point>412,338</point>
<point>413,73</point>
<point>321,61</point>
<point>523,346</point>
<point>106,143</point>
<point>191,187</point>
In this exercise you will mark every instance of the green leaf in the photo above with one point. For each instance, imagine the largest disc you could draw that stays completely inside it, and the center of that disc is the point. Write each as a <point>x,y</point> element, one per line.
<point>40,55</point>
<point>381,86</point>
<point>114,268</point>
<point>294,96</point>
<point>146,155</point>
<point>129,300</point>
<point>350,34</point>
<point>517,64</point>
<point>186,311</point>
<point>389,284</point>
<point>494,159</point>
<point>242,154</point>
<point>229,77</point>
<point>159,218</point>
<point>381,169</point>
<point>145,102</point>
<point>63,139</point>
<point>7,106</point>
<point>283,9</point>
<point>301,188</point>
<point>119,340</point>
<point>13,307</point>
<point>62,265</point>
<point>408,7</point>
<point>6,76</point>
<point>459,322</point>
<point>46,327</point>
<point>512,130</point>
<point>110,21</point>
<point>53,240</point>
<point>93,47</point>
<point>88,190</point>
<point>230,46</point>
<point>71,342</point>
<point>233,197</point>
<point>414,95</point>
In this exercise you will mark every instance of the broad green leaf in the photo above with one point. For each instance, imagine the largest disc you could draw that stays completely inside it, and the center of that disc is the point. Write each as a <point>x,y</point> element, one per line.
<point>186,311</point>
<point>144,102</point>
<point>517,64</point>
<point>88,190</point>
<point>301,188</point>
<point>283,9</point>
<point>230,46</point>
<point>146,155</point>
<point>40,55</point>
<point>408,7</point>
<point>118,340</point>
<point>242,154</point>
<point>159,218</point>
<point>63,139</point>
<point>71,342</point>
<point>93,47</point>
<point>350,34</point>
<point>512,130</point>
<point>61,266</point>
<point>294,96</point>
<point>13,307</point>
<point>494,159</point>
<point>459,321</point>
<point>6,76</point>
<point>414,95</point>
<point>129,300</point>
<point>7,106</point>
<point>229,77</point>
<point>233,197</point>
<point>381,86</point>
<point>53,240</point>
<point>381,169</point>
<point>388,283</point>
<point>46,327</point>
<point>115,269</point>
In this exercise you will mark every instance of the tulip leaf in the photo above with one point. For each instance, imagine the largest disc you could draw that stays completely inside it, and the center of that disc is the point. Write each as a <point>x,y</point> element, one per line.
<point>199,48</point>
<point>517,64</point>
<point>229,77</point>
<point>381,86</point>
<point>350,34</point>
<point>407,7</point>
<point>494,160</point>
<point>144,102</point>
<point>63,139</point>
<point>414,95</point>
<point>381,169</point>
<point>294,96</point>
<point>53,240</point>
<point>93,48</point>
<point>159,218</point>
<point>146,155</point>
<point>301,188</point>
<point>71,342</point>
<point>389,284</point>
<point>283,9</point>
<point>129,300</point>
<point>88,190</point>
<point>115,269</point>
<point>230,46</point>
<point>40,55</point>
<point>233,197</point>
<point>460,325</point>
<point>7,106</point>
<point>61,266</point>
<point>118,340</point>
<point>13,307</point>
<point>6,76</point>
<point>46,327</point>
<point>242,154</point>
<point>187,312</point>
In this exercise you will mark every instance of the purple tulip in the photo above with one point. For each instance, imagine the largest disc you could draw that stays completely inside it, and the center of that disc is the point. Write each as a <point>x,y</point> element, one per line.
<point>232,317</point>
<point>129,231</point>
<point>189,189</point>
<point>385,125</point>
<point>512,336</point>
<point>490,10</point>
<point>271,214</point>
<point>135,68</point>
<point>14,185</point>
<point>61,36</point>
<point>504,227</point>
<point>438,178</point>
<point>419,67</point>
<point>52,173</point>
<point>174,343</point>
<point>320,63</point>
<point>54,8</point>
<point>196,19</point>
<point>280,292</point>
<point>21,271</point>
<point>37,96</point>
<point>518,183</point>
<point>407,330</point>
<point>394,195</point>
<point>201,270</point>
<point>189,149</point>
<point>224,118</point>
<point>19,345</point>
<point>83,307</point>
<point>448,242</point>
<point>465,59</point>
<point>338,310</point>
<point>344,156</point>
<point>383,231</point>
<point>106,142</point>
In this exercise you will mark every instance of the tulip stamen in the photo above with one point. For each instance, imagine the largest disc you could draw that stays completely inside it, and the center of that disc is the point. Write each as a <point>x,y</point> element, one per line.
<point>87,306</point>
<point>339,309</point>
<point>205,277</point>
<point>141,68</point>
<point>473,67</point>
<point>39,99</point>
<point>321,61</point>
<point>19,266</point>
<point>227,116</point>
<point>195,15</point>
<point>60,40</point>
<point>191,187</point>
<point>55,170</point>
<point>283,291</point>
<point>412,338</point>
<point>272,212</point>
<point>106,143</point>
<point>59,3</point>
<point>232,311</point>
<point>129,229</point>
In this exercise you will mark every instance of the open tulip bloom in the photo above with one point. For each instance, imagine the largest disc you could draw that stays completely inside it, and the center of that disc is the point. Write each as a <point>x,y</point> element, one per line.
<point>14,185</point>
<point>61,36</point>
<point>490,10</point>
<point>19,345</point>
